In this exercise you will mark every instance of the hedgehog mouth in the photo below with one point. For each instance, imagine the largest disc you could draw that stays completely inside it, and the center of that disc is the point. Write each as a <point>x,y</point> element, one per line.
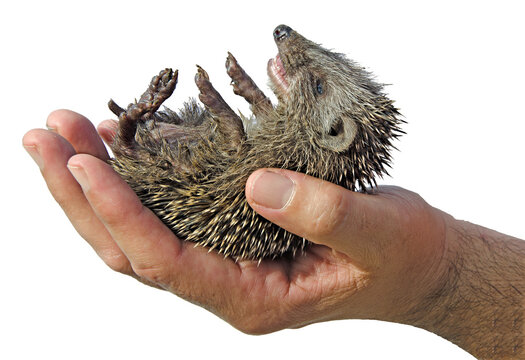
<point>277,74</point>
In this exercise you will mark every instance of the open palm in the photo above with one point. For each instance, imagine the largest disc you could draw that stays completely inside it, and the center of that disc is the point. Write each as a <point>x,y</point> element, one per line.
<point>369,251</point>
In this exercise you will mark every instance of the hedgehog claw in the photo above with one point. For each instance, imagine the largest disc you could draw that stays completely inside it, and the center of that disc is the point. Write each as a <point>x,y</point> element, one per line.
<point>115,109</point>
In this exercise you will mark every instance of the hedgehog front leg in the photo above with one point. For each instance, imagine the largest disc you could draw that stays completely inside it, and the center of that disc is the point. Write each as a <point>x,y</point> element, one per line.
<point>160,88</point>
<point>229,124</point>
<point>244,86</point>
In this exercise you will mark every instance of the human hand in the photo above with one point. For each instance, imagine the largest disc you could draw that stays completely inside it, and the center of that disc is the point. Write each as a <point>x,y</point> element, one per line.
<point>376,256</point>
<point>387,256</point>
<point>396,258</point>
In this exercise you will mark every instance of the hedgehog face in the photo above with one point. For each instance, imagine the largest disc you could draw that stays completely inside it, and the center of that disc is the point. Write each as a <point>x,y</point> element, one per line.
<point>323,92</point>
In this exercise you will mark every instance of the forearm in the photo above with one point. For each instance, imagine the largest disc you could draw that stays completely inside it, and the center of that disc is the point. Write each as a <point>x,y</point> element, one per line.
<point>480,306</point>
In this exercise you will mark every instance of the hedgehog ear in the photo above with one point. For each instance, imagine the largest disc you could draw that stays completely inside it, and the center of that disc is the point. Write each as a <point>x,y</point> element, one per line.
<point>340,135</point>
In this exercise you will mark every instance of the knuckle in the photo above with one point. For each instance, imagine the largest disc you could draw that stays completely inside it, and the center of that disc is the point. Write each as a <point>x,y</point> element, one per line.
<point>109,209</point>
<point>63,198</point>
<point>330,212</point>
<point>155,275</point>
<point>118,263</point>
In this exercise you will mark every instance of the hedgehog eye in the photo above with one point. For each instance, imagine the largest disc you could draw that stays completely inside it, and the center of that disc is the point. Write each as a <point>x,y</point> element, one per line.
<point>319,87</point>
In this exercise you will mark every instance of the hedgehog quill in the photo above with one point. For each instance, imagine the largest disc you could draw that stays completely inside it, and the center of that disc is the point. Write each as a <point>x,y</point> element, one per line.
<point>332,121</point>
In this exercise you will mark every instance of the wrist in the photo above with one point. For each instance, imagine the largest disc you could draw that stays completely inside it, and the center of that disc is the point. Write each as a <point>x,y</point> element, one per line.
<point>479,301</point>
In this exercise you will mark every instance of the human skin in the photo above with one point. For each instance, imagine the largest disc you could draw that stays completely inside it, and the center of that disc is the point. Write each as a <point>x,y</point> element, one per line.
<point>387,256</point>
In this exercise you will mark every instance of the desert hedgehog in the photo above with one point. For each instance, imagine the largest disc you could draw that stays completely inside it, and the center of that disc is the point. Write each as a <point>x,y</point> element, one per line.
<point>332,121</point>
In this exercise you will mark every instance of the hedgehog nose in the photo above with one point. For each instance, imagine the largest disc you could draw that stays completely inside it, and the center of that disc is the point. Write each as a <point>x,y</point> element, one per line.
<point>282,32</point>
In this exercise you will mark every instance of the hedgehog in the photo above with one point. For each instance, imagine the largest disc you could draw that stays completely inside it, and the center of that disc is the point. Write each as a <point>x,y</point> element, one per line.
<point>332,121</point>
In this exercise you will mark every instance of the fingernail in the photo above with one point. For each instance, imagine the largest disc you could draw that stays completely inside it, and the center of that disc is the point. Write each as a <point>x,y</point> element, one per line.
<point>32,150</point>
<point>272,190</point>
<point>80,176</point>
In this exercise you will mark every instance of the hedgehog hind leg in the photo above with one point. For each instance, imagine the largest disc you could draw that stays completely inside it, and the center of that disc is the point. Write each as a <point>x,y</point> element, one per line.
<point>244,86</point>
<point>160,88</point>
<point>229,124</point>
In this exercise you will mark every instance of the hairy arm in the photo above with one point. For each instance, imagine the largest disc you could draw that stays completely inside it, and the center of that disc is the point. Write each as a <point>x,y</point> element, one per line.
<point>481,306</point>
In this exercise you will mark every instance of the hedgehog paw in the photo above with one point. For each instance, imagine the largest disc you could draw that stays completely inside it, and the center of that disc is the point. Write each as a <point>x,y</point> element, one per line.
<point>160,88</point>
<point>244,86</point>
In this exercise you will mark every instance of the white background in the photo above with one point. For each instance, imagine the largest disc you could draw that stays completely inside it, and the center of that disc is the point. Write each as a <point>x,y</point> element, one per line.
<point>456,70</point>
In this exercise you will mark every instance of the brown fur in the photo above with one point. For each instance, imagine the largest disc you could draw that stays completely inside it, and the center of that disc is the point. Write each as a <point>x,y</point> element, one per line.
<point>332,122</point>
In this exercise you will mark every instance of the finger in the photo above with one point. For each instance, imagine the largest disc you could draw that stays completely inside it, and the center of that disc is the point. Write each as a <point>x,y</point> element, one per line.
<point>143,238</point>
<point>107,130</point>
<point>52,152</point>
<point>155,253</point>
<point>354,223</point>
<point>79,131</point>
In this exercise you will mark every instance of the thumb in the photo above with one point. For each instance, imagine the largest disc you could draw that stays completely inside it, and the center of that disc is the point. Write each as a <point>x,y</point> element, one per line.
<point>356,224</point>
